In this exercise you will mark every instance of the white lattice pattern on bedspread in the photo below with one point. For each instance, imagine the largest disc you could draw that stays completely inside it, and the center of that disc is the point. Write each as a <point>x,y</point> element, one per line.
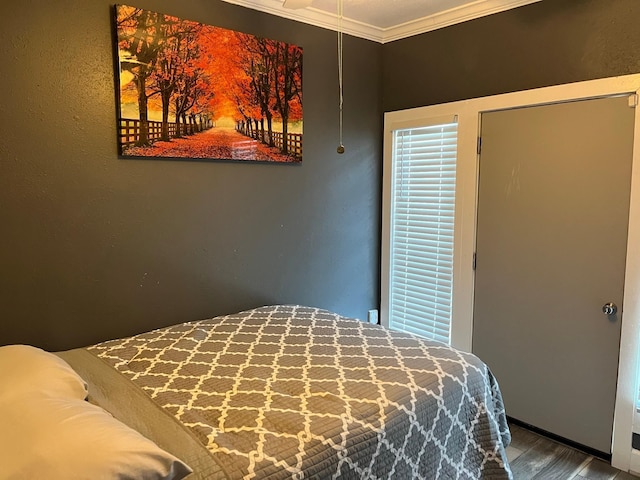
<point>298,392</point>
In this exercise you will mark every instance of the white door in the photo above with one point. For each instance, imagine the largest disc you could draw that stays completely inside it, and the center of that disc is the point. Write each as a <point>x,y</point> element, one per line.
<point>553,212</point>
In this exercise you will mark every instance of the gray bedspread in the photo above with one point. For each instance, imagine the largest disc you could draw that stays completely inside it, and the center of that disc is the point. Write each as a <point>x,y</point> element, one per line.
<point>297,392</point>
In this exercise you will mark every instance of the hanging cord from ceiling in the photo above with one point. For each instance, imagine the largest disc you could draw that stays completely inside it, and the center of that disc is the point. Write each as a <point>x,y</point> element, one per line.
<point>340,84</point>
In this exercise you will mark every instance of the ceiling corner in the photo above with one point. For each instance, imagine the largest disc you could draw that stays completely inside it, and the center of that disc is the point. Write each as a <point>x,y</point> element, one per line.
<point>351,26</point>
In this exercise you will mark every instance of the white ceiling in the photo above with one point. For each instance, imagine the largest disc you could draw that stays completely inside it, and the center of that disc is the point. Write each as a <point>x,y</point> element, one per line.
<point>386,20</point>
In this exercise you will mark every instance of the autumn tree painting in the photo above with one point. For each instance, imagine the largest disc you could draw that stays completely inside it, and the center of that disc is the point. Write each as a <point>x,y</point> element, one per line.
<point>188,90</point>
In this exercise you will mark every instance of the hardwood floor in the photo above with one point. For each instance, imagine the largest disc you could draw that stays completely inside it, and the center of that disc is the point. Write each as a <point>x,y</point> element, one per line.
<point>533,456</point>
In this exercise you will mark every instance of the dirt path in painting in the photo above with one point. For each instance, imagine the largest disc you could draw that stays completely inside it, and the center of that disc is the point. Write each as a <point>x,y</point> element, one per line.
<point>223,143</point>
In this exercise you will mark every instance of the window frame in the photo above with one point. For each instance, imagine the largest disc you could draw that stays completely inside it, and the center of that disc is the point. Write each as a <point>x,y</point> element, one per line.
<point>460,336</point>
<point>407,163</point>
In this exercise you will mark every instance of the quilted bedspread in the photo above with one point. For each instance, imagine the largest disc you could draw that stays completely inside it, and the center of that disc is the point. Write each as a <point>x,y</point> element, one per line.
<point>297,392</point>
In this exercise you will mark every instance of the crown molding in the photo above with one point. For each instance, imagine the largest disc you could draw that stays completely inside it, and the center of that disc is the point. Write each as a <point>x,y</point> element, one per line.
<point>480,8</point>
<point>313,16</point>
<point>321,18</point>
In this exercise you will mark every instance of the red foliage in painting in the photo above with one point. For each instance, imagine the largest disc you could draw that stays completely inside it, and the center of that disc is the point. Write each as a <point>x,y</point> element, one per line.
<point>180,78</point>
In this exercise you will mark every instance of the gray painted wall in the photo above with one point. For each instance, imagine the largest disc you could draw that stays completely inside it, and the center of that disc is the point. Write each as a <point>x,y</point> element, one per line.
<point>93,246</point>
<point>546,43</point>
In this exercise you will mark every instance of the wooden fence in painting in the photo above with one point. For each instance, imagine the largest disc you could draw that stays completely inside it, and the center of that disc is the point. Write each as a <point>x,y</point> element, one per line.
<point>294,140</point>
<point>130,130</point>
<point>294,143</point>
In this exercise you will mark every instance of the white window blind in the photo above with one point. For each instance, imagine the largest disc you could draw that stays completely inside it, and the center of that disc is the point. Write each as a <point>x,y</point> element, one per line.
<point>422,220</point>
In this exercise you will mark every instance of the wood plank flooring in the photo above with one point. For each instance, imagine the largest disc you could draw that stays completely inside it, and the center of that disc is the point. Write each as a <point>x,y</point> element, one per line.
<point>534,456</point>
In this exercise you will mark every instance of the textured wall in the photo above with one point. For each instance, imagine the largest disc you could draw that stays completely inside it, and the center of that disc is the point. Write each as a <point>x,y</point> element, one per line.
<point>542,44</point>
<point>93,246</point>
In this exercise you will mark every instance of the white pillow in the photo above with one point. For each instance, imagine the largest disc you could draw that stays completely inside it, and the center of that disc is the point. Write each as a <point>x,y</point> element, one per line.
<point>27,370</point>
<point>50,431</point>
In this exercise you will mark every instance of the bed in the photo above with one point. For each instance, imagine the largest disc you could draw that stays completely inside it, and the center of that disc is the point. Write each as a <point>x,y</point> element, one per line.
<point>276,392</point>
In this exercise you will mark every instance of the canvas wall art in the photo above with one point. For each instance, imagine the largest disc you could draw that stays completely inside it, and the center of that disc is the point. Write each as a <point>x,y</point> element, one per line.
<point>189,90</point>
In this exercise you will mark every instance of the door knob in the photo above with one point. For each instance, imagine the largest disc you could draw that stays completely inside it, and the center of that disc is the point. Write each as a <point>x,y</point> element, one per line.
<point>609,308</point>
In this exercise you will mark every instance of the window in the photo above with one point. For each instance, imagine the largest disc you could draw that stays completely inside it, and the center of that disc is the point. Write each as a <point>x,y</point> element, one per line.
<point>422,230</point>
